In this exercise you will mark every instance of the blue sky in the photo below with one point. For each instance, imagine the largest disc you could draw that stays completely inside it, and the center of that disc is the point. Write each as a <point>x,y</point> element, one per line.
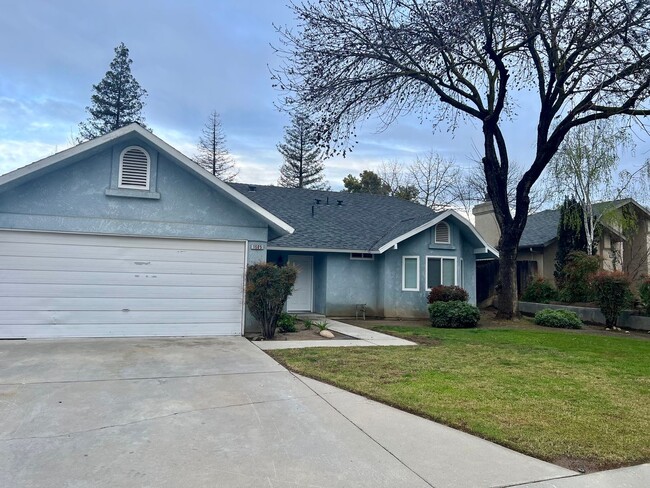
<point>192,57</point>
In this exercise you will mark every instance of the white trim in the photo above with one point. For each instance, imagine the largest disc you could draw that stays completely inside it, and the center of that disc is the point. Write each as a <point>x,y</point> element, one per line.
<point>434,221</point>
<point>148,174</point>
<point>461,272</point>
<point>362,257</point>
<point>243,300</point>
<point>190,165</point>
<point>417,274</point>
<point>435,233</point>
<point>426,269</point>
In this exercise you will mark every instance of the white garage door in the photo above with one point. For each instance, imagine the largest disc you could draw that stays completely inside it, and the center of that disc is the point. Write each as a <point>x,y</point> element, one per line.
<point>69,285</point>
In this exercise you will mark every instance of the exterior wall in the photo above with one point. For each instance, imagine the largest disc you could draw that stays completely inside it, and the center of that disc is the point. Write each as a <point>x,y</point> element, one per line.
<point>74,199</point>
<point>351,282</point>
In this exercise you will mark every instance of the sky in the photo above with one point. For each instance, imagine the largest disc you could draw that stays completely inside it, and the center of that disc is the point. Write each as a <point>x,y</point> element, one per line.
<point>192,57</point>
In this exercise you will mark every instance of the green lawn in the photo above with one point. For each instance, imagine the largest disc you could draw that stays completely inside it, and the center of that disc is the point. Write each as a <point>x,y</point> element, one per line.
<point>579,400</point>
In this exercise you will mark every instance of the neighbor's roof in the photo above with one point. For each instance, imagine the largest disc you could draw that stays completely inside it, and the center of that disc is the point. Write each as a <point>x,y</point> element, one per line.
<point>362,222</point>
<point>541,227</point>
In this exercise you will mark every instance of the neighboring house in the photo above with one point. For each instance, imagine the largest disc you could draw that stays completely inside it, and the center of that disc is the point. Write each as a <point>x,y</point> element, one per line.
<point>125,236</point>
<point>627,251</point>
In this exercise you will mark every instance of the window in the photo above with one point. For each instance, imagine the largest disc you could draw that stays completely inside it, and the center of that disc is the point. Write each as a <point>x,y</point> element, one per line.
<point>441,232</point>
<point>365,256</point>
<point>440,271</point>
<point>134,169</point>
<point>410,273</point>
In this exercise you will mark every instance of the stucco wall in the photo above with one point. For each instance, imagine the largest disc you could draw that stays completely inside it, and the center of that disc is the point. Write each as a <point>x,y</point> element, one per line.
<point>74,199</point>
<point>351,282</point>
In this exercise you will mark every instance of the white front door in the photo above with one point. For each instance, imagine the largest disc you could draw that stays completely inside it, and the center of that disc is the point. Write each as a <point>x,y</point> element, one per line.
<point>302,297</point>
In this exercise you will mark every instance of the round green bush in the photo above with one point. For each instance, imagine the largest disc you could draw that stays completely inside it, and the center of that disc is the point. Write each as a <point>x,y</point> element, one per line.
<point>560,319</point>
<point>453,315</point>
<point>540,290</point>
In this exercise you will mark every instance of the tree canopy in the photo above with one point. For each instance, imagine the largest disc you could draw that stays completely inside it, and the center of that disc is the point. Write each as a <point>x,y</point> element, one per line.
<point>118,99</point>
<point>448,59</point>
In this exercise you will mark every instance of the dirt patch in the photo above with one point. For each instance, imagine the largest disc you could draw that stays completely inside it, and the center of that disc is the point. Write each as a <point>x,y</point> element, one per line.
<point>583,465</point>
<point>303,334</point>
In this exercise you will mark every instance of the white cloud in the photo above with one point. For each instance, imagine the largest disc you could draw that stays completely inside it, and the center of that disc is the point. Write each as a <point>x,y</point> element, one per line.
<point>15,154</point>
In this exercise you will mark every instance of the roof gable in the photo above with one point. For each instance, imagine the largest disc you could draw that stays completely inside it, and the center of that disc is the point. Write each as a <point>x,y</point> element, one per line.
<point>94,146</point>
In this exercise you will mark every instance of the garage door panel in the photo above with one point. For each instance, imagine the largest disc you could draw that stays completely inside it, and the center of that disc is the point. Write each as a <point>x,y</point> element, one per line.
<point>84,317</point>
<point>66,285</point>
<point>11,290</point>
<point>121,253</point>
<point>123,330</point>
<point>116,265</point>
<point>120,304</point>
<point>133,279</point>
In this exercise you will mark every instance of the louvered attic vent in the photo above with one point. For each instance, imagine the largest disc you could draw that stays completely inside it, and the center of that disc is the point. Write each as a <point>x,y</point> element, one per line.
<point>442,233</point>
<point>134,169</point>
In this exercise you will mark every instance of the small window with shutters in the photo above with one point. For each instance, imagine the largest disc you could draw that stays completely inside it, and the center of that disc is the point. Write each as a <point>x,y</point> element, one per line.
<point>135,167</point>
<point>441,232</point>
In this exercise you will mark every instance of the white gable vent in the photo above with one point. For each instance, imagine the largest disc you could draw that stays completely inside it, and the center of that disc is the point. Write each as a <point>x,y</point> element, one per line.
<point>134,168</point>
<point>442,233</point>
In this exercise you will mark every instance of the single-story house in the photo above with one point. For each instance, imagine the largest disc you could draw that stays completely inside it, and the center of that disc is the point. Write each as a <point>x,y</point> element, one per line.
<point>621,250</point>
<point>125,236</point>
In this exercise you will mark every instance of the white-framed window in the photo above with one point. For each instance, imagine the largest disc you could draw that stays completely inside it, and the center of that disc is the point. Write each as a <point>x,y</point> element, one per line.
<point>135,168</point>
<point>441,271</point>
<point>441,233</point>
<point>362,256</point>
<point>462,273</point>
<point>410,273</point>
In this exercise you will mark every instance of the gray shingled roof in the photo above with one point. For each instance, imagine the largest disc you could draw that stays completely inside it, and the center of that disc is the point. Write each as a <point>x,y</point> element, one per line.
<point>541,229</point>
<point>363,222</point>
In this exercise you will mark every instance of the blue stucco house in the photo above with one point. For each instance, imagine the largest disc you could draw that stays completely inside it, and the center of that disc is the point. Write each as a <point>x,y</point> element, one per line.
<point>125,236</point>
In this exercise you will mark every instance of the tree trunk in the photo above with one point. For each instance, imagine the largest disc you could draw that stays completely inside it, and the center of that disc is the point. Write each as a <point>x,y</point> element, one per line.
<point>506,287</point>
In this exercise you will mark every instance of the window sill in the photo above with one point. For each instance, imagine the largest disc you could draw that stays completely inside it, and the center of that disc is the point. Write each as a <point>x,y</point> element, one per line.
<point>128,193</point>
<point>450,247</point>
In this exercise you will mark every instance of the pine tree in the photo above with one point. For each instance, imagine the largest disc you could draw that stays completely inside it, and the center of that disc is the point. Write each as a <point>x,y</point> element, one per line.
<point>571,236</point>
<point>117,99</point>
<point>212,153</point>
<point>303,160</point>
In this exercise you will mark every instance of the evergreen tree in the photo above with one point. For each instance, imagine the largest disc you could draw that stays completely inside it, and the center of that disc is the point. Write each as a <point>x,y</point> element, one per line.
<point>571,236</point>
<point>303,159</point>
<point>212,153</point>
<point>367,182</point>
<point>117,99</point>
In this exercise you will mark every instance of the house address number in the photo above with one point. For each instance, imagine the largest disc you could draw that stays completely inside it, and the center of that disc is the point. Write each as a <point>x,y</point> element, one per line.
<point>257,247</point>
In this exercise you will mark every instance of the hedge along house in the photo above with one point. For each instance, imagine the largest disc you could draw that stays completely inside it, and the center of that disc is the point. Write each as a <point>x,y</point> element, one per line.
<point>379,251</point>
<point>125,236</point>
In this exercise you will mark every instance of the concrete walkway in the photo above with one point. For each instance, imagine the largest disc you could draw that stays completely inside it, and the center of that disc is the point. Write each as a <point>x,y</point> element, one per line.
<point>362,338</point>
<point>632,477</point>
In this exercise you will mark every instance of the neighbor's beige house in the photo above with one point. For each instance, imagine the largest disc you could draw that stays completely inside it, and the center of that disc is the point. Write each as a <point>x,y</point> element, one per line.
<point>628,251</point>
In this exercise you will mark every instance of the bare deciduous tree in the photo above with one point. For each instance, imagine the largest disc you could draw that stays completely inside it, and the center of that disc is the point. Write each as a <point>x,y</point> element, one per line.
<point>583,61</point>
<point>212,152</point>
<point>434,178</point>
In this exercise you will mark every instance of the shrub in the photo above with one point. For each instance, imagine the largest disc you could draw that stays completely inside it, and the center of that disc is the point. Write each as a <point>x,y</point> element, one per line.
<point>644,295</point>
<point>444,293</point>
<point>267,288</point>
<point>540,290</point>
<point>578,274</point>
<point>287,323</point>
<point>455,314</point>
<point>560,319</point>
<point>613,294</point>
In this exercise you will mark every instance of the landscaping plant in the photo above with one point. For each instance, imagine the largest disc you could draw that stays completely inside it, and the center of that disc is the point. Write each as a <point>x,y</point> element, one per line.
<point>578,274</point>
<point>540,290</point>
<point>267,288</point>
<point>454,315</point>
<point>321,326</point>
<point>444,293</point>
<point>287,322</point>
<point>644,295</point>
<point>559,319</point>
<point>613,294</point>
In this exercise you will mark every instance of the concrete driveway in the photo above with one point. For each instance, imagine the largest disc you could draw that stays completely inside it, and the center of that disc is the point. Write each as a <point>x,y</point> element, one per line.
<point>216,412</point>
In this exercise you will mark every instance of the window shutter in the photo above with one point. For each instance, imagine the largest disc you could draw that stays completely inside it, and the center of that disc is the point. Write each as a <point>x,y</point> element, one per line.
<point>442,233</point>
<point>134,169</point>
